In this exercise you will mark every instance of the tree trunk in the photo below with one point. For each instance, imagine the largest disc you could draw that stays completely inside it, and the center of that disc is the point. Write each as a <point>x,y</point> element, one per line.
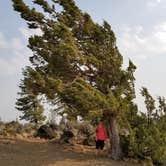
<point>115,149</point>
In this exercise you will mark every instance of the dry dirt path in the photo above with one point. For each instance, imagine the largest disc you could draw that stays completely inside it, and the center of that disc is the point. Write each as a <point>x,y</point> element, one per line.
<point>42,153</point>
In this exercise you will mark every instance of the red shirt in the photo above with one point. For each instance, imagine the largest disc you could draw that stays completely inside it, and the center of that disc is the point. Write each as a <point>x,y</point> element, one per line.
<point>101,133</point>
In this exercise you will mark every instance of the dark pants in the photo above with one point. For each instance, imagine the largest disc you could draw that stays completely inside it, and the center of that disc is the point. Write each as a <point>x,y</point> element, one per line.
<point>100,144</point>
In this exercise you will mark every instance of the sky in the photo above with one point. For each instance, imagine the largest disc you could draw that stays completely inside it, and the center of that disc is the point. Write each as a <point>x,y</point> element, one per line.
<point>140,29</point>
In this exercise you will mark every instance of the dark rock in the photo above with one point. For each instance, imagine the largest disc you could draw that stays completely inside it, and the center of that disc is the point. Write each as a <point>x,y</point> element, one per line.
<point>66,136</point>
<point>45,132</point>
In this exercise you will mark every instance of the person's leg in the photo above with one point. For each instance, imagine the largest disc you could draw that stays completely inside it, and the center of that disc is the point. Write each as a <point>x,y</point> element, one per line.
<point>102,147</point>
<point>97,152</point>
<point>97,147</point>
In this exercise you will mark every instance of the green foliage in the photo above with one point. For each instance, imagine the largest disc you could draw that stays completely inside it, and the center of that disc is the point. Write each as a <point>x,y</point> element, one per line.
<point>84,97</point>
<point>11,128</point>
<point>149,102</point>
<point>76,59</point>
<point>15,128</point>
<point>29,103</point>
<point>148,143</point>
<point>162,106</point>
<point>26,13</point>
<point>147,140</point>
<point>31,108</point>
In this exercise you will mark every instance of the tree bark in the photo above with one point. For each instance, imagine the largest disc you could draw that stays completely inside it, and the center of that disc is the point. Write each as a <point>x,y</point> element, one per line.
<point>115,148</point>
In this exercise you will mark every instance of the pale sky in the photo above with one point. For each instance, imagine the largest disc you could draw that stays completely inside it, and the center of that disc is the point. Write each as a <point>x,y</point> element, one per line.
<point>140,28</point>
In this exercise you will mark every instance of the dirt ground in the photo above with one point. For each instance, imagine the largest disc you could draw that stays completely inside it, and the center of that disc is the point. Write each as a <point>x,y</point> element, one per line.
<point>14,152</point>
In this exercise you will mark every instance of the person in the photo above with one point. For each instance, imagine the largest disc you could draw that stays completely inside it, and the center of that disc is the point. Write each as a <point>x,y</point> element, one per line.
<point>101,136</point>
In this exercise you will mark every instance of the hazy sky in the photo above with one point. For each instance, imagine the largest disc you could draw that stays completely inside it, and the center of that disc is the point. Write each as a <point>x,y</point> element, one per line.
<point>140,28</point>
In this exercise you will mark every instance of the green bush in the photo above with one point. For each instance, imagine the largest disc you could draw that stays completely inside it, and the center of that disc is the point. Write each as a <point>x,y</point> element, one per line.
<point>145,142</point>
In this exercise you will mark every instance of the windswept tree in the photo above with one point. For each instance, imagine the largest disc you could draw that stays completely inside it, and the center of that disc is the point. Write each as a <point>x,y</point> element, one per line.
<point>162,106</point>
<point>147,137</point>
<point>150,104</point>
<point>79,63</point>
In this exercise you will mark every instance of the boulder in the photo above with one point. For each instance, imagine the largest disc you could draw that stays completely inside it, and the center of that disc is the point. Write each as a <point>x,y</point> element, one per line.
<point>45,132</point>
<point>66,136</point>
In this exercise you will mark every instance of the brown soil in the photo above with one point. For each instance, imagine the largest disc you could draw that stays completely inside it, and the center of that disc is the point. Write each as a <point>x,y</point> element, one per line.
<point>14,152</point>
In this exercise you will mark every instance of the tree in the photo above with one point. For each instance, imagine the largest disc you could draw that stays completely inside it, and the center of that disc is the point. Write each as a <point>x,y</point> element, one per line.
<point>29,103</point>
<point>149,102</point>
<point>147,131</point>
<point>162,106</point>
<point>79,62</point>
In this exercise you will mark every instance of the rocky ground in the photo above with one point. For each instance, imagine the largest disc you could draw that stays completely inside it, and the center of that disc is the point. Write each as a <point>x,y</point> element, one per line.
<point>39,152</point>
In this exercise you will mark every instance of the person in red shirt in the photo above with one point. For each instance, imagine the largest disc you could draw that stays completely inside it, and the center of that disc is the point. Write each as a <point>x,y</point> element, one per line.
<point>101,136</point>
